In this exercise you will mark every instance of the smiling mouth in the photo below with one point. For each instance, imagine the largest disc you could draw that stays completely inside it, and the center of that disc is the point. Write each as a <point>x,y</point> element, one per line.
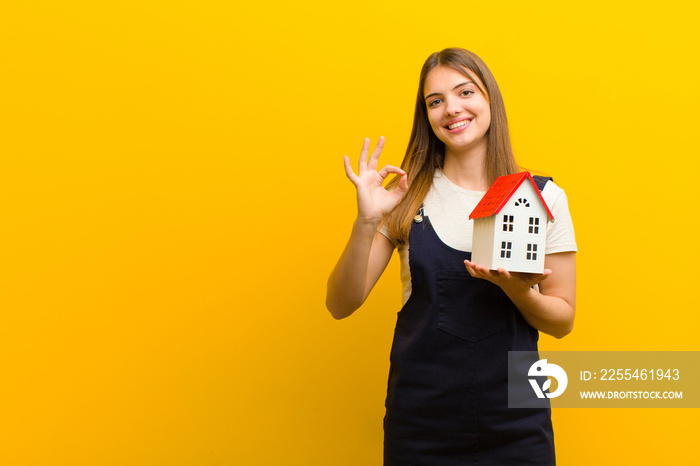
<point>458,124</point>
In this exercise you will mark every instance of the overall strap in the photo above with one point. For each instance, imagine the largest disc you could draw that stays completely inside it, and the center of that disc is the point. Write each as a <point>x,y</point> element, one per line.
<point>540,181</point>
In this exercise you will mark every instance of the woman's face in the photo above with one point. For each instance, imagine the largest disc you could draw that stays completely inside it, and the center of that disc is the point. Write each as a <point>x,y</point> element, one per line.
<point>458,112</point>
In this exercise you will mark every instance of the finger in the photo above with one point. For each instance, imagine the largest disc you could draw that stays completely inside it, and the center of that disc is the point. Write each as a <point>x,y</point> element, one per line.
<point>535,278</point>
<point>401,189</point>
<point>545,274</point>
<point>374,158</point>
<point>348,170</point>
<point>403,184</point>
<point>363,156</point>
<point>470,268</point>
<point>481,270</point>
<point>503,273</point>
<point>470,265</point>
<point>384,172</point>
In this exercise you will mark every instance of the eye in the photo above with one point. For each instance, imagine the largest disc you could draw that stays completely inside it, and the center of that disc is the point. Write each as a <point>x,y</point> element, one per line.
<point>466,93</point>
<point>435,102</point>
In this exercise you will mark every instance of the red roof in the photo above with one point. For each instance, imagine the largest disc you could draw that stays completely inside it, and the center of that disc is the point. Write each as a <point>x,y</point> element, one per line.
<point>500,191</point>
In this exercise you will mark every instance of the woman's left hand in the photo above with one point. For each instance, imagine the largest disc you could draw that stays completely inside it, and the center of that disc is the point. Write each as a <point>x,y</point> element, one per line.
<point>551,309</point>
<point>512,283</point>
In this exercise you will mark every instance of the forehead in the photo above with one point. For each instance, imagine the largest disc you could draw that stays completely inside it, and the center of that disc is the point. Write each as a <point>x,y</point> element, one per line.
<point>442,79</point>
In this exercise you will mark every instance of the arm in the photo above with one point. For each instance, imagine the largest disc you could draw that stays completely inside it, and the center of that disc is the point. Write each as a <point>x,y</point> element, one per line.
<point>362,263</point>
<point>551,310</point>
<point>368,252</point>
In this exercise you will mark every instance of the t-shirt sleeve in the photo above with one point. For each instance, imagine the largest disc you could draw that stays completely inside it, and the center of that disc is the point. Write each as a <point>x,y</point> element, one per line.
<point>560,233</point>
<point>384,230</point>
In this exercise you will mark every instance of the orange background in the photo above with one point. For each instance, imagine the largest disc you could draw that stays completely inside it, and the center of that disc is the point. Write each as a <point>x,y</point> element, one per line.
<point>173,199</point>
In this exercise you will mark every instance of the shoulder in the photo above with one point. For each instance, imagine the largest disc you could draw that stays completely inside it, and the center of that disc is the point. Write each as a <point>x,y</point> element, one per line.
<point>551,192</point>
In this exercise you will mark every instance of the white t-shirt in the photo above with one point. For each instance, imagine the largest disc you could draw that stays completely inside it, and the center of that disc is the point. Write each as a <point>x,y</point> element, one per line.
<point>448,206</point>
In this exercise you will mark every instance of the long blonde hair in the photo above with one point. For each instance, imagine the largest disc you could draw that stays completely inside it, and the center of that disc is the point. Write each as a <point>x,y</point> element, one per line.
<point>425,152</point>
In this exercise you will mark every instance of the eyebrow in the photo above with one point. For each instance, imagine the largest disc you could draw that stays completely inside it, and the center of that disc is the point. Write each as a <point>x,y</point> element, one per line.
<point>457,86</point>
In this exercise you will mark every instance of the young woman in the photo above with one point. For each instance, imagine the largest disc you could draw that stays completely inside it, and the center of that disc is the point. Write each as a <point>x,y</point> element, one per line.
<point>447,392</point>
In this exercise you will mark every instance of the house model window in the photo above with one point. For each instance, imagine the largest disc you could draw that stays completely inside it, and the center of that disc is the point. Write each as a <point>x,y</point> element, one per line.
<point>534,227</point>
<point>506,247</point>
<point>531,252</point>
<point>509,225</point>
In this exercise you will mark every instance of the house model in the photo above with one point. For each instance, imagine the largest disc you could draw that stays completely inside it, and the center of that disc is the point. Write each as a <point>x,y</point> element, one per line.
<point>510,225</point>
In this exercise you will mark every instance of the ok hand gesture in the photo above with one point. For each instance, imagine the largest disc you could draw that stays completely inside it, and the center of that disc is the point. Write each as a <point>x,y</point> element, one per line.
<point>373,200</point>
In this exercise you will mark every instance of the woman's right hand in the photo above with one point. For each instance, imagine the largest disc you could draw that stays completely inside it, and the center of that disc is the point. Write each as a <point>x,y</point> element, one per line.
<point>373,200</point>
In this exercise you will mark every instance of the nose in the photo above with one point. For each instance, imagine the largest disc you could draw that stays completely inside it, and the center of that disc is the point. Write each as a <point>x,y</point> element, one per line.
<point>452,107</point>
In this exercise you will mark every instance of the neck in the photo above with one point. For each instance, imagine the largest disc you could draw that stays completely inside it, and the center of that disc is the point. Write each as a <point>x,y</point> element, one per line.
<point>466,169</point>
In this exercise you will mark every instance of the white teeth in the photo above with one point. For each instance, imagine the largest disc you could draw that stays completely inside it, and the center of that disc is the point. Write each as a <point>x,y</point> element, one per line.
<point>458,124</point>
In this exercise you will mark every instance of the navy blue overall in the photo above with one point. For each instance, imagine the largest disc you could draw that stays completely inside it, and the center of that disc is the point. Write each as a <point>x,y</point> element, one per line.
<point>447,397</point>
